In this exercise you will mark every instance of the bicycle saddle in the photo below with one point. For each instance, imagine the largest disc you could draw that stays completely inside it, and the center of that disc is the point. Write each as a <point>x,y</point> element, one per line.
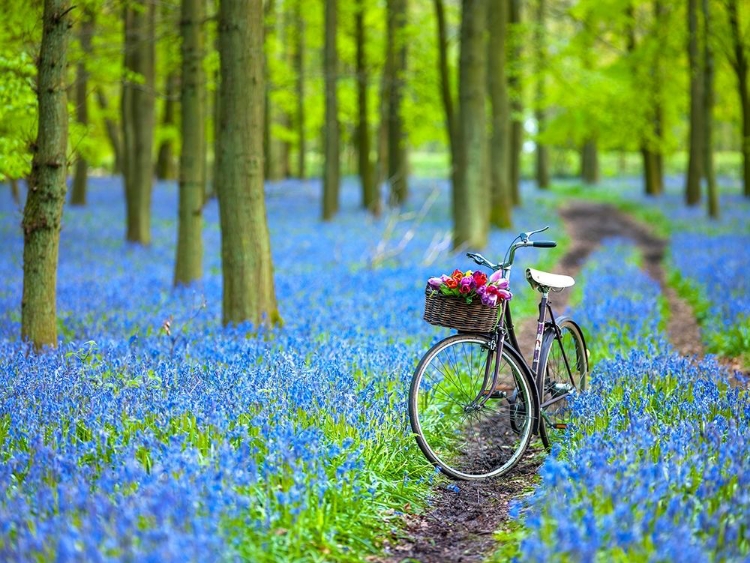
<point>543,280</point>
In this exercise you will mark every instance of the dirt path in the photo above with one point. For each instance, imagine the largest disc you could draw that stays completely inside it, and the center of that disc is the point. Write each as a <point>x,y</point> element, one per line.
<point>459,527</point>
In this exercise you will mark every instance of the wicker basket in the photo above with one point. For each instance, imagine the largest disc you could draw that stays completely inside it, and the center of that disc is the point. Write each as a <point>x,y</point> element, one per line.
<point>454,312</point>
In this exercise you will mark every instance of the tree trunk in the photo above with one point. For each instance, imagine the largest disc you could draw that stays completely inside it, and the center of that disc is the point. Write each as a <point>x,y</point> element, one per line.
<point>470,193</point>
<point>740,65</point>
<point>78,192</point>
<point>211,190</point>
<point>514,83</point>
<point>165,161</point>
<point>445,86</point>
<point>189,257</point>
<point>113,132</point>
<point>542,157</point>
<point>708,107</point>
<point>42,213</point>
<point>138,119</point>
<point>397,164</point>
<point>247,269</point>
<point>14,191</point>
<point>300,66</point>
<point>501,200</point>
<point>695,168</point>
<point>650,172</point>
<point>269,17</point>
<point>590,162</point>
<point>382,139</point>
<point>332,149</point>
<point>370,195</point>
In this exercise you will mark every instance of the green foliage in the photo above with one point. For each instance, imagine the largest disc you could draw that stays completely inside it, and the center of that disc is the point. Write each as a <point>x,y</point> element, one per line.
<point>17,113</point>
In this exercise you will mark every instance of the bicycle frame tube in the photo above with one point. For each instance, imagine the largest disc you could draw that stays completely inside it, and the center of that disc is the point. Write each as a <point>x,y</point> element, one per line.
<point>543,306</point>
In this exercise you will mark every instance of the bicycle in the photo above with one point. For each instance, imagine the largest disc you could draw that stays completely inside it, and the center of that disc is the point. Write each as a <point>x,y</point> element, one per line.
<point>475,403</point>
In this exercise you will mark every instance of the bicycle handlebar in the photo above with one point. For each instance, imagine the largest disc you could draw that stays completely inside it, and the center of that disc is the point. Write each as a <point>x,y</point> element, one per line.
<point>510,253</point>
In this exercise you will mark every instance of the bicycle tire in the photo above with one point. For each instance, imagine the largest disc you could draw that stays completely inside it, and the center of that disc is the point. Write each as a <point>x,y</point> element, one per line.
<point>561,379</point>
<point>460,426</point>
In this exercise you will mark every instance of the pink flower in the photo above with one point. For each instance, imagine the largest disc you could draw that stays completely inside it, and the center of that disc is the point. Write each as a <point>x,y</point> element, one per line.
<point>497,279</point>
<point>464,288</point>
<point>435,283</point>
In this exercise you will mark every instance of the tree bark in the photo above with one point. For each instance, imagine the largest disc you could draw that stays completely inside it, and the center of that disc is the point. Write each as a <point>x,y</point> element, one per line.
<point>113,132</point>
<point>269,17</point>
<point>590,162</point>
<point>80,177</point>
<point>695,167</point>
<point>370,195</point>
<point>514,83</point>
<point>445,86</point>
<point>189,253</point>
<point>470,193</point>
<point>542,156</point>
<point>300,66</point>
<point>740,65</point>
<point>382,138</point>
<point>14,191</point>
<point>501,200</point>
<point>138,119</point>
<point>165,161</point>
<point>332,165</point>
<point>397,160</point>
<point>708,107</point>
<point>42,214</point>
<point>247,269</point>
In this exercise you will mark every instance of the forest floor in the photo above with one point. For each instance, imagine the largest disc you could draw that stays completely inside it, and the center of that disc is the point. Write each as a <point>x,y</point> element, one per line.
<point>460,525</point>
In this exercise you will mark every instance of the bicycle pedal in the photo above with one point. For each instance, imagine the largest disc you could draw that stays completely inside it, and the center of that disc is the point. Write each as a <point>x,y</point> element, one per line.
<point>560,426</point>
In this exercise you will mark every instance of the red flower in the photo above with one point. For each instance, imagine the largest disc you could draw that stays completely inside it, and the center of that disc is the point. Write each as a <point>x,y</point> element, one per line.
<point>464,288</point>
<point>480,278</point>
<point>457,275</point>
<point>451,283</point>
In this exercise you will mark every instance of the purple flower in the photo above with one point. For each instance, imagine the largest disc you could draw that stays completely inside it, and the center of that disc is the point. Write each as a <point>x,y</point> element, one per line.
<point>435,283</point>
<point>498,280</point>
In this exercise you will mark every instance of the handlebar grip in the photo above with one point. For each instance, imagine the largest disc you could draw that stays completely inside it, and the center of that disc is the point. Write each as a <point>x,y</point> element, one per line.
<point>544,244</point>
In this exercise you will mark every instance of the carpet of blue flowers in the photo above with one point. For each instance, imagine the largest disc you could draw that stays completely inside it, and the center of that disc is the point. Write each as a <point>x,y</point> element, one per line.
<point>657,465</point>
<point>130,442</point>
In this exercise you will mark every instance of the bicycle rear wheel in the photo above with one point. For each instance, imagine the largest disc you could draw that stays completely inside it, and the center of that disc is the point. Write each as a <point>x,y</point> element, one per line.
<point>564,363</point>
<point>462,424</point>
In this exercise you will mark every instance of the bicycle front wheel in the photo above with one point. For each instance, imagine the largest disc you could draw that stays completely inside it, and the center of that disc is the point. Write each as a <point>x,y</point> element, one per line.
<point>466,424</point>
<point>564,363</point>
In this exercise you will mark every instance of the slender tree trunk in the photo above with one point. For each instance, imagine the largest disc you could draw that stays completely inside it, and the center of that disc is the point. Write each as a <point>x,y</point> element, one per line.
<point>80,177</point>
<point>247,269</point>
<point>445,86</point>
<point>211,190</point>
<point>332,149</point>
<point>650,172</point>
<point>470,194</point>
<point>42,213</point>
<point>14,191</point>
<point>189,257</point>
<point>708,107</point>
<point>113,132</point>
<point>370,196</point>
<point>397,162</point>
<point>300,65</point>
<point>740,65</point>
<point>542,156</point>
<point>138,119</point>
<point>382,138</point>
<point>501,200</point>
<point>269,29</point>
<point>165,161</point>
<point>590,162</point>
<point>695,168</point>
<point>514,83</point>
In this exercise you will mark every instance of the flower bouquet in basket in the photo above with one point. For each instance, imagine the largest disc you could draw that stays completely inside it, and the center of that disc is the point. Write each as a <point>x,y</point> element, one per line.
<point>466,301</point>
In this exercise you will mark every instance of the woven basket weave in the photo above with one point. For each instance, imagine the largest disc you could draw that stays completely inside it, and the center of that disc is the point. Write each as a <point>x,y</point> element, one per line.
<point>453,312</point>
